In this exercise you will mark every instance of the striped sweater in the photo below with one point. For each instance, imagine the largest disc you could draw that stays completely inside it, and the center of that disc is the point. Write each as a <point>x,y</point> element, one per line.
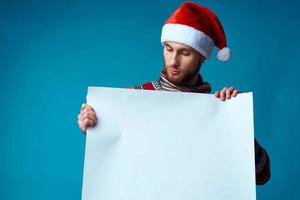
<point>262,161</point>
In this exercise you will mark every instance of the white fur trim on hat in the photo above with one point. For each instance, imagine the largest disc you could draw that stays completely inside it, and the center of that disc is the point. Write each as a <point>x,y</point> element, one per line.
<point>224,54</point>
<point>188,35</point>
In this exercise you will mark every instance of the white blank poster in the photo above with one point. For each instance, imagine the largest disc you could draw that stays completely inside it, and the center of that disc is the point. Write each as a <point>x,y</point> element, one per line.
<point>160,145</point>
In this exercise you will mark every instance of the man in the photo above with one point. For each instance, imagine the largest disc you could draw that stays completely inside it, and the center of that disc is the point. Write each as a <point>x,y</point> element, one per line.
<point>188,37</point>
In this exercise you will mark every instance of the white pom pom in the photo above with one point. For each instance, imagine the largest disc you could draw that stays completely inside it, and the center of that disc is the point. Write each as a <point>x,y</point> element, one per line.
<point>224,54</point>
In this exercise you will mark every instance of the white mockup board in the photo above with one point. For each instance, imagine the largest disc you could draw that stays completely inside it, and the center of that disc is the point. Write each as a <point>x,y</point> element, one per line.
<point>160,145</point>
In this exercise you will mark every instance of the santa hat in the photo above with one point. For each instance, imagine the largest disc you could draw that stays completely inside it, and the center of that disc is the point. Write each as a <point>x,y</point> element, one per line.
<point>197,27</point>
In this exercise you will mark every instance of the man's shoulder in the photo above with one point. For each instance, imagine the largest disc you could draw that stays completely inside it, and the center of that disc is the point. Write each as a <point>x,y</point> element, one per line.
<point>151,85</point>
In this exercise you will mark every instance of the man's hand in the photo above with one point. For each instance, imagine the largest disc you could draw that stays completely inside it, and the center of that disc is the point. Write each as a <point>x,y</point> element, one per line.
<point>226,93</point>
<point>86,118</point>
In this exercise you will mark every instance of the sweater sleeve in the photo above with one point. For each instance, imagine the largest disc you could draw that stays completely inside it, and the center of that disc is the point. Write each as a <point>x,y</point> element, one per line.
<point>262,164</point>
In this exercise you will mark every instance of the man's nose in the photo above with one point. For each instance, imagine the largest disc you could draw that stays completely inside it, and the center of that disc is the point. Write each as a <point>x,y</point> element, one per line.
<point>174,60</point>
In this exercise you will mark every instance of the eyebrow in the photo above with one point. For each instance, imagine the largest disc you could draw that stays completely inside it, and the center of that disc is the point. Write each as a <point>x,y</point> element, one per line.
<point>166,44</point>
<point>181,49</point>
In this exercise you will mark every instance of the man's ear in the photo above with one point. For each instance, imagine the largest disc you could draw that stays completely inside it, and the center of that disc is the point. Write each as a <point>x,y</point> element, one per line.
<point>202,59</point>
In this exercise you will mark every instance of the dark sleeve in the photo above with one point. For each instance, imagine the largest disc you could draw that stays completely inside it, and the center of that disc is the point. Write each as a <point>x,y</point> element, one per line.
<point>262,165</point>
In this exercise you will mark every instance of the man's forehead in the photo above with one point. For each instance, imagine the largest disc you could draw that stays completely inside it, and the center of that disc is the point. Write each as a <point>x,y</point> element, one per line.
<point>178,45</point>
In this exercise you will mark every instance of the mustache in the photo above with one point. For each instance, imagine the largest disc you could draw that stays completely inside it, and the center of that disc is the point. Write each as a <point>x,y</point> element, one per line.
<point>171,66</point>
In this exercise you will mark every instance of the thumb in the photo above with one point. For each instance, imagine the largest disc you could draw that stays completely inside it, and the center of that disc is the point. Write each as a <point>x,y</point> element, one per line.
<point>82,106</point>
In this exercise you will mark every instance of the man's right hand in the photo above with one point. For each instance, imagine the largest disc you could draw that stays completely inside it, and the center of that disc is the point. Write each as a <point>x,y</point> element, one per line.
<point>86,118</point>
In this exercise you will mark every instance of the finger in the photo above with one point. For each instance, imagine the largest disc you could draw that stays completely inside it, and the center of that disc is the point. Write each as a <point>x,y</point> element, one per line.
<point>235,92</point>
<point>89,108</point>
<point>85,116</point>
<point>217,94</point>
<point>223,93</point>
<point>88,123</point>
<point>83,106</point>
<point>84,119</point>
<point>229,92</point>
<point>89,115</point>
<point>92,112</point>
<point>85,111</point>
<point>83,129</point>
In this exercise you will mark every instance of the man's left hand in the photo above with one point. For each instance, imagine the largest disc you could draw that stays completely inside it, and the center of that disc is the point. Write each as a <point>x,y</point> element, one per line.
<point>226,93</point>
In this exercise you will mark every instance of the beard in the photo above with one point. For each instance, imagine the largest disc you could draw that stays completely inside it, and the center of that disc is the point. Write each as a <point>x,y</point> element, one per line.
<point>183,78</point>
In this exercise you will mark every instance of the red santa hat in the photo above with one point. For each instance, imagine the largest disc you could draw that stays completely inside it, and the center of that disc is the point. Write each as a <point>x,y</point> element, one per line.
<point>197,27</point>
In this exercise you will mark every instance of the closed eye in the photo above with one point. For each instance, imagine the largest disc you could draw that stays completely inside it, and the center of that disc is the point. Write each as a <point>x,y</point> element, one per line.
<point>169,49</point>
<point>186,53</point>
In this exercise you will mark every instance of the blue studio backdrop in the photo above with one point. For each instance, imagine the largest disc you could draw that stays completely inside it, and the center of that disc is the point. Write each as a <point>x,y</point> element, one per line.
<point>51,51</point>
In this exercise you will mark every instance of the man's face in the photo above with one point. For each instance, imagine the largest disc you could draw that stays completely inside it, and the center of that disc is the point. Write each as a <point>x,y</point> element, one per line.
<point>181,63</point>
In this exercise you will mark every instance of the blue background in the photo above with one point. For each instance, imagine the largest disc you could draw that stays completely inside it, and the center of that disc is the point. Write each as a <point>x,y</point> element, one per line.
<point>51,51</point>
